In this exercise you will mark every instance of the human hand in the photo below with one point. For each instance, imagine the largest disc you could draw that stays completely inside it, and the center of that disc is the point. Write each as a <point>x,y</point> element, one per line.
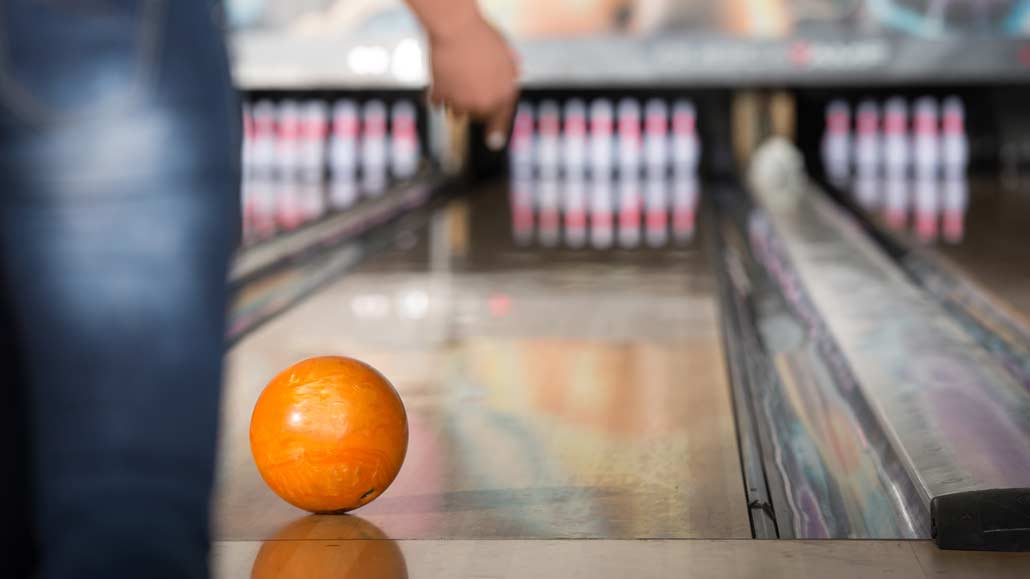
<point>475,72</point>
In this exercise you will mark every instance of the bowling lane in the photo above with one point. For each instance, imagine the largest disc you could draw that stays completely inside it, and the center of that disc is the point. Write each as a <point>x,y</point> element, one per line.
<point>552,392</point>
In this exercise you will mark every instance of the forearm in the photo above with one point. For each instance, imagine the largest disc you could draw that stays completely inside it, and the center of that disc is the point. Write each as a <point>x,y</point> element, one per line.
<point>444,18</point>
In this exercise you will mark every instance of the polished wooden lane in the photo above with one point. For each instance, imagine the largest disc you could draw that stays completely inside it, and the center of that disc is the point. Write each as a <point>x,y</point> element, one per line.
<point>551,395</point>
<point>604,559</point>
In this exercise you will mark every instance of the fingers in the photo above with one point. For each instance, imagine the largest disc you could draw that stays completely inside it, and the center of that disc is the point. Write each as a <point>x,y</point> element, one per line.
<point>497,117</point>
<point>498,123</point>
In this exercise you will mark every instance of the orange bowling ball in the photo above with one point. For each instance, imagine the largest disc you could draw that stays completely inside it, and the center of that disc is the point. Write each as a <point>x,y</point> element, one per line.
<point>329,434</point>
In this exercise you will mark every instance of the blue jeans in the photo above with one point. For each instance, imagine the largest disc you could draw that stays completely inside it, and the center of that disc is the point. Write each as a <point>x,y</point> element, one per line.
<point>118,213</point>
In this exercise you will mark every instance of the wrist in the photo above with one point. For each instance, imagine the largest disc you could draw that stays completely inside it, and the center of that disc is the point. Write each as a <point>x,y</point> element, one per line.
<point>456,23</point>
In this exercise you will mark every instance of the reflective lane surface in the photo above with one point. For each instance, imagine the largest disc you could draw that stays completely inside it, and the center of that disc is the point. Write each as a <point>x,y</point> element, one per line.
<point>979,227</point>
<point>561,381</point>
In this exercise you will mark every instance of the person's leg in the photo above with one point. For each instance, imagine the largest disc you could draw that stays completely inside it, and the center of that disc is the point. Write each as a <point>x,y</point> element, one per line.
<point>15,525</point>
<point>118,211</point>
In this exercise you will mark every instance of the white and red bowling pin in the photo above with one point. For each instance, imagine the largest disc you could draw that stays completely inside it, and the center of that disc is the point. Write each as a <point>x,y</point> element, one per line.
<point>373,147</point>
<point>867,139</point>
<point>602,227</point>
<point>955,200</point>
<point>247,210</point>
<point>343,142</point>
<point>343,191</point>
<point>896,200</point>
<point>262,194</point>
<point>574,139</point>
<point>548,147</point>
<point>867,190</point>
<point>686,149</point>
<point>836,143</point>
<point>404,146</point>
<point>954,142</point>
<point>263,148</point>
<point>574,201</point>
<point>629,210</point>
<point>521,146</point>
<point>312,199</point>
<point>288,133</point>
<point>601,138</point>
<point>246,202</point>
<point>247,146</point>
<point>314,128</point>
<point>629,149</point>
<point>288,204</point>
<point>656,210</point>
<point>521,197</point>
<point>656,137</point>
<point>684,206</point>
<point>927,206</point>
<point>926,142</point>
<point>896,143</point>
<point>548,204</point>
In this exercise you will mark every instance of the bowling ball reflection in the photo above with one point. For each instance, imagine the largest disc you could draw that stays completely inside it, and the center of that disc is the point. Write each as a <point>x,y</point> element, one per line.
<point>340,546</point>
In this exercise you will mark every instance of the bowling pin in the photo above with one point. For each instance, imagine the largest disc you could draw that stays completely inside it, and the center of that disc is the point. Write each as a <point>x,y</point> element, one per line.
<point>312,198</point>
<point>601,138</point>
<point>629,137</point>
<point>548,210</point>
<point>520,148</point>
<point>404,145</point>
<point>262,154</point>
<point>574,139</point>
<point>261,190</point>
<point>601,203</point>
<point>656,210</point>
<point>954,143</point>
<point>684,206</point>
<point>343,145</point>
<point>836,143</point>
<point>373,181</point>
<point>575,211</point>
<point>867,190</point>
<point>686,149</point>
<point>867,138</point>
<point>288,212</point>
<point>373,147</point>
<point>926,142</point>
<point>656,137</point>
<point>247,209</point>
<point>548,141</point>
<point>313,132</point>
<point>896,200</point>
<point>343,191</point>
<point>896,143</point>
<point>288,138</point>
<point>247,148</point>
<point>629,210</point>
<point>955,201</point>
<point>927,206</point>
<point>521,197</point>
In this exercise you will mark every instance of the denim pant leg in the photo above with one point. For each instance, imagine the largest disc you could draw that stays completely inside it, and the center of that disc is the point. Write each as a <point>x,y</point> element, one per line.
<point>118,213</point>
